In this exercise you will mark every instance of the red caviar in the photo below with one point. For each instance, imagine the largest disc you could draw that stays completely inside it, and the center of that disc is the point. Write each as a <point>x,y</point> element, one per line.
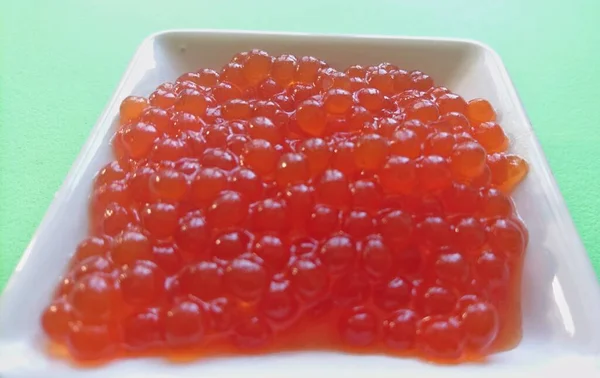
<point>251,205</point>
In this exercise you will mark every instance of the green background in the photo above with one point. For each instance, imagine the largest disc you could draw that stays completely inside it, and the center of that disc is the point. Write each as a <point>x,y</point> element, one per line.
<point>60,61</point>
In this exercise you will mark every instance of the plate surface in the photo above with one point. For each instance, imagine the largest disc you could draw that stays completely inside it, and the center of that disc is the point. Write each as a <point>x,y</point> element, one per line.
<point>561,295</point>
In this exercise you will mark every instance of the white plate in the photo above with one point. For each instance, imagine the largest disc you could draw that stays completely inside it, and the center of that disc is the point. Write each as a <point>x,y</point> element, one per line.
<point>561,295</point>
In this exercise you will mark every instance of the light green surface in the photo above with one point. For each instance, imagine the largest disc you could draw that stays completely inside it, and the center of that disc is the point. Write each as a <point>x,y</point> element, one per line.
<point>61,60</point>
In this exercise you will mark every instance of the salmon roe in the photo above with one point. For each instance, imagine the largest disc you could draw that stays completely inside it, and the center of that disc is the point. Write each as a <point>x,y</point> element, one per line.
<point>278,199</point>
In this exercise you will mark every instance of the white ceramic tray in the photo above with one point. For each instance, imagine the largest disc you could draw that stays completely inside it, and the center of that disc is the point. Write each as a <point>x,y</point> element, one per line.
<point>561,296</point>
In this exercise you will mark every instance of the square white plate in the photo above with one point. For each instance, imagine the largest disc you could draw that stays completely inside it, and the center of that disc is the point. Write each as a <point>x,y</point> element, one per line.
<point>561,295</point>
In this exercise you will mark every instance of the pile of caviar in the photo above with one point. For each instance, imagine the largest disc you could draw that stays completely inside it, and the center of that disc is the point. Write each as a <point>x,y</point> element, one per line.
<point>280,203</point>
